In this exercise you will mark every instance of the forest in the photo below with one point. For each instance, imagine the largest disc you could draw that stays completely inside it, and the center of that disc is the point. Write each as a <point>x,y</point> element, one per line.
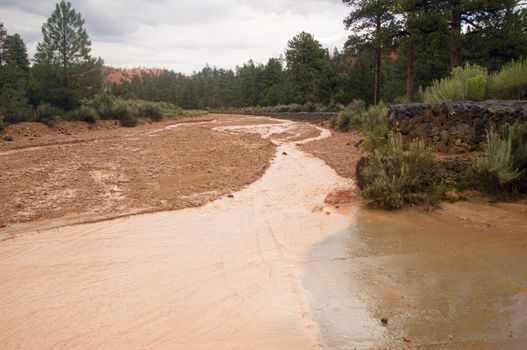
<point>396,48</point>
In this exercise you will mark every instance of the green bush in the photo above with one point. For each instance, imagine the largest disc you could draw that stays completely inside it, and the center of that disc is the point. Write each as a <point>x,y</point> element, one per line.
<point>125,114</point>
<point>395,178</point>
<point>476,88</point>
<point>510,82</point>
<point>84,114</point>
<point>468,82</point>
<point>342,120</point>
<point>47,114</point>
<point>352,116</point>
<point>102,104</point>
<point>375,115</point>
<point>503,168</point>
<point>151,111</point>
<point>376,138</point>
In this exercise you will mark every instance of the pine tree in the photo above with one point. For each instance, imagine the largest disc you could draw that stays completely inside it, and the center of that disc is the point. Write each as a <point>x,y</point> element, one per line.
<point>373,23</point>
<point>3,37</point>
<point>15,52</point>
<point>306,61</point>
<point>65,70</point>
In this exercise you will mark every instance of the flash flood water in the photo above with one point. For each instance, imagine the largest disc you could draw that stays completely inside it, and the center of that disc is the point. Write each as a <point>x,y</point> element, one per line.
<point>270,268</point>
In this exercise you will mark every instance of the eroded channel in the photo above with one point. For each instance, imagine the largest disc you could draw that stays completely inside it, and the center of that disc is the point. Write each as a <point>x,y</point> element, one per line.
<point>223,276</point>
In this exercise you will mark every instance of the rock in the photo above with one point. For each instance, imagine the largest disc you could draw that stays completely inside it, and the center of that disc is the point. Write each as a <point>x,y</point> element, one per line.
<point>8,138</point>
<point>342,195</point>
<point>384,320</point>
<point>230,195</point>
<point>458,142</point>
<point>452,196</point>
<point>407,339</point>
<point>284,153</point>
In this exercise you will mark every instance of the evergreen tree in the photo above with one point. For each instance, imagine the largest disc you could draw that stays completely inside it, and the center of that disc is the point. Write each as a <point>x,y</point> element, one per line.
<point>3,37</point>
<point>306,61</point>
<point>65,70</point>
<point>373,23</point>
<point>15,52</point>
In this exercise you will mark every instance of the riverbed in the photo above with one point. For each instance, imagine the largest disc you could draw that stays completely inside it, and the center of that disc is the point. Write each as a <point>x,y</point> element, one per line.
<point>272,267</point>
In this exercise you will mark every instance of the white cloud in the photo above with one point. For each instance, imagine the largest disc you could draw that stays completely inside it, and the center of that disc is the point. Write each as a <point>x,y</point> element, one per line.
<point>185,35</point>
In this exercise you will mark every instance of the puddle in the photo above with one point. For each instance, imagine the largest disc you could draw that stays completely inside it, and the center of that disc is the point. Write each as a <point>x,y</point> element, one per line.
<point>440,284</point>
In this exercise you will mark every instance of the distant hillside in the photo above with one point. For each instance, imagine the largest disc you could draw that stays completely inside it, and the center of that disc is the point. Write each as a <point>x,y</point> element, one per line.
<point>119,75</point>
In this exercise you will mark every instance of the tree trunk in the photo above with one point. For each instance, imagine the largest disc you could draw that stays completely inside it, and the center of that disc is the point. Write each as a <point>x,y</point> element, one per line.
<point>455,27</point>
<point>377,89</point>
<point>410,73</point>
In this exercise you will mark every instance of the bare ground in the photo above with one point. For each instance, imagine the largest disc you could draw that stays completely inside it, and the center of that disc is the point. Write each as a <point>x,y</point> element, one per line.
<point>78,170</point>
<point>338,151</point>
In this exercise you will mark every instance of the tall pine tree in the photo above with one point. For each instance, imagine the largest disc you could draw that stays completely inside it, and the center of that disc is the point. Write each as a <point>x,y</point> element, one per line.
<point>373,24</point>
<point>65,71</point>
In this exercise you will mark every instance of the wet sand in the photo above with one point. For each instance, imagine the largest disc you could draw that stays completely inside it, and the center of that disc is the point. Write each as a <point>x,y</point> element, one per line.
<point>72,172</point>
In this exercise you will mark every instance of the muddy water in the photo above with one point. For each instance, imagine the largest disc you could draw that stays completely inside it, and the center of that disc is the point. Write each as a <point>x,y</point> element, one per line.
<point>224,276</point>
<point>455,279</point>
<point>272,268</point>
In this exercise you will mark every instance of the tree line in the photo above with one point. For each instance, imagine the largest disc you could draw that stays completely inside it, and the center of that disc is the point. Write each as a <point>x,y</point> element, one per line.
<point>395,48</point>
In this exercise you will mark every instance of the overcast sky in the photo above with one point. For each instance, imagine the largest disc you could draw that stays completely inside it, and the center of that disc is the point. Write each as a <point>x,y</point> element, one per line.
<point>184,35</point>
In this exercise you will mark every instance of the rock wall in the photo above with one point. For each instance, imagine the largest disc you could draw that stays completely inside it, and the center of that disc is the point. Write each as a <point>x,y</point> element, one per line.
<point>454,127</point>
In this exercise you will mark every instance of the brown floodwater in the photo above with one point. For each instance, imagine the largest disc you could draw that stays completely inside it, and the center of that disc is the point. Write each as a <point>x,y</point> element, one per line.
<point>272,268</point>
<point>452,279</point>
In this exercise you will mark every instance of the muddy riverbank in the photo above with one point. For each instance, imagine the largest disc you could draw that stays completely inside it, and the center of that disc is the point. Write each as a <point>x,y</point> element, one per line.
<point>73,170</point>
<point>222,276</point>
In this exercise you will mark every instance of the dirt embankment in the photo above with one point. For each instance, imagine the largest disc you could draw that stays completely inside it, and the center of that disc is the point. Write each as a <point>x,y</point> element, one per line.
<point>77,170</point>
<point>339,151</point>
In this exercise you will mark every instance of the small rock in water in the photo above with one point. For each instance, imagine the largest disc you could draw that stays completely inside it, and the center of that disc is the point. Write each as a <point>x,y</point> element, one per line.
<point>384,320</point>
<point>337,206</point>
<point>230,195</point>
<point>284,153</point>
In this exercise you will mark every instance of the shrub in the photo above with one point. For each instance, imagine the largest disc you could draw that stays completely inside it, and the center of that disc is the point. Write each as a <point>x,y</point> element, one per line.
<point>342,120</point>
<point>511,81</point>
<point>295,108</point>
<point>102,104</point>
<point>396,178</point>
<point>352,116</point>
<point>496,168</point>
<point>375,115</point>
<point>376,138</point>
<point>84,114</point>
<point>476,88</point>
<point>151,111</point>
<point>125,114</point>
<point>503,168</point>
<point>468,82</point>
<point>47,114</point>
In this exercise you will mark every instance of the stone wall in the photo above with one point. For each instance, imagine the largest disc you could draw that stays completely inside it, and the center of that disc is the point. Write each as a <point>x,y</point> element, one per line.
<point>454,127</point>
